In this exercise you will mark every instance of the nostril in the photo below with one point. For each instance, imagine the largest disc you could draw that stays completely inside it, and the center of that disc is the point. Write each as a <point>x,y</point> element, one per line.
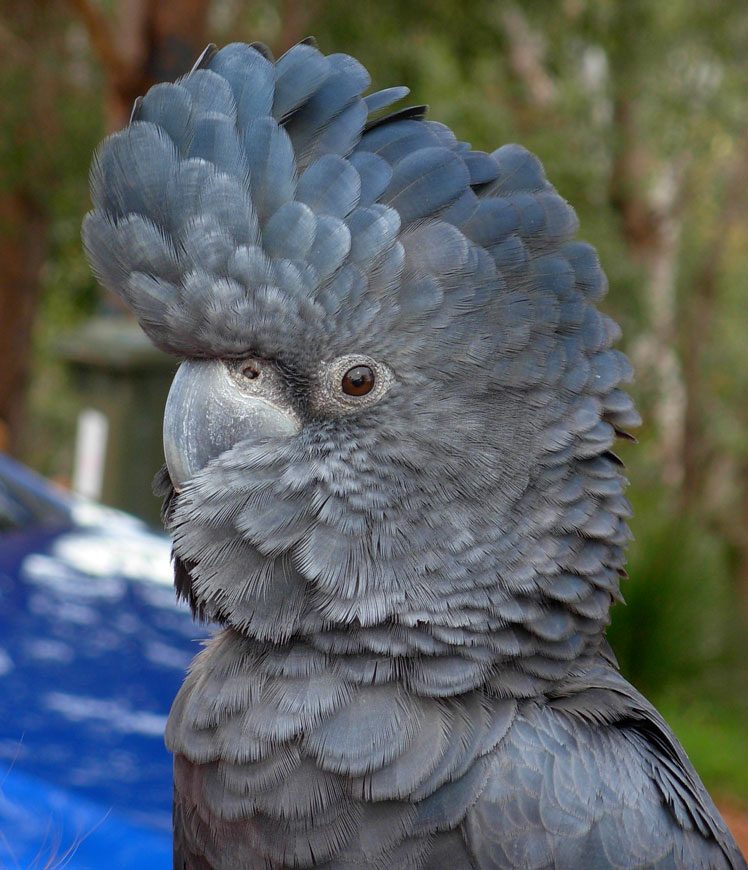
<point>251,371</point>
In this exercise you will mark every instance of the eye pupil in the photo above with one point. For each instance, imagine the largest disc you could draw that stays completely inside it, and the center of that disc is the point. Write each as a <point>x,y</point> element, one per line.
<point>358,381</point>
<point>251,371</point>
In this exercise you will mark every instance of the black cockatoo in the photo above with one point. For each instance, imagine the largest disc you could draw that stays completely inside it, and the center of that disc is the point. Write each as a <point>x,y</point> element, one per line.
<point>389,480</point>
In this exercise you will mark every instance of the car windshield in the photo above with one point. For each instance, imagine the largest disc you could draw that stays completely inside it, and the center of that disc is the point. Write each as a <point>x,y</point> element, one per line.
<point>28,500</point>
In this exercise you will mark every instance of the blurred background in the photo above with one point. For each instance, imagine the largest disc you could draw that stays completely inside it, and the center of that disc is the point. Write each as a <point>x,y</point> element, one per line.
<point>639,112</point>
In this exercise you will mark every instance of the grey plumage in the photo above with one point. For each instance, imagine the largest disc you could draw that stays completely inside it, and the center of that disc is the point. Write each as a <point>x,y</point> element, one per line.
<point>412,588</point>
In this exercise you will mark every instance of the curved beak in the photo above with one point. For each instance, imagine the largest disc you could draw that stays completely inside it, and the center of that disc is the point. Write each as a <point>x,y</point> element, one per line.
<point>210,408</point>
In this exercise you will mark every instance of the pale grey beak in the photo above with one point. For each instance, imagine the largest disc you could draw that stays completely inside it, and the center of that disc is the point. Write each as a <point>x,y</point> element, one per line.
<point>211,407</point>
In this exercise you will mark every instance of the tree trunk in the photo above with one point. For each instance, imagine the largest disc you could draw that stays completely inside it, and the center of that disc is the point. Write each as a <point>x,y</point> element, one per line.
<point>147,41</point>
<point>23,247</point>
<point>698,317</point>
<point>651,223</point>
<point>28,117</point>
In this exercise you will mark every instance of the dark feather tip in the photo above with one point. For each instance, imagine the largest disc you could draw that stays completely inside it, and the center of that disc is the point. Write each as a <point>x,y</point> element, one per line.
<point>614,458</point>
<point>625,436</point>
<point>206,56</point>
<point>135,110</point>
<point>263,49</point>
<point>411,113</point>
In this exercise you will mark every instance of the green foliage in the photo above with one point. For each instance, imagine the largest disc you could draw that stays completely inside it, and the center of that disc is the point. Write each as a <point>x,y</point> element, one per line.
<point>52,120</point>
<point>70,295</point>
<point>679,597</point>
<point>709,716</point>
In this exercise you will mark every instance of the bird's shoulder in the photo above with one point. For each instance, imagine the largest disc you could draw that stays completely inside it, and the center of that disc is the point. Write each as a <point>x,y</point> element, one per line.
<point>592,777</point>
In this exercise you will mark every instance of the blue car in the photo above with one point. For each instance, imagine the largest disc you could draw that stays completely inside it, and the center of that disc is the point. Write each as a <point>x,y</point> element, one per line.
<point>93,648</point>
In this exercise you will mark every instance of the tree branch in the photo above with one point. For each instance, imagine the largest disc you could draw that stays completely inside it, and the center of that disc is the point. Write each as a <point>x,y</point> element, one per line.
<point>100,34</point>
<point>526,52</point>
<point>699,319</point>
<point>296,16</point>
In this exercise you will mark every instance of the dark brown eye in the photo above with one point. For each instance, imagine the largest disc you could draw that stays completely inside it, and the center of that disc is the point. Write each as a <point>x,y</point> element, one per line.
<point>358,381</point>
